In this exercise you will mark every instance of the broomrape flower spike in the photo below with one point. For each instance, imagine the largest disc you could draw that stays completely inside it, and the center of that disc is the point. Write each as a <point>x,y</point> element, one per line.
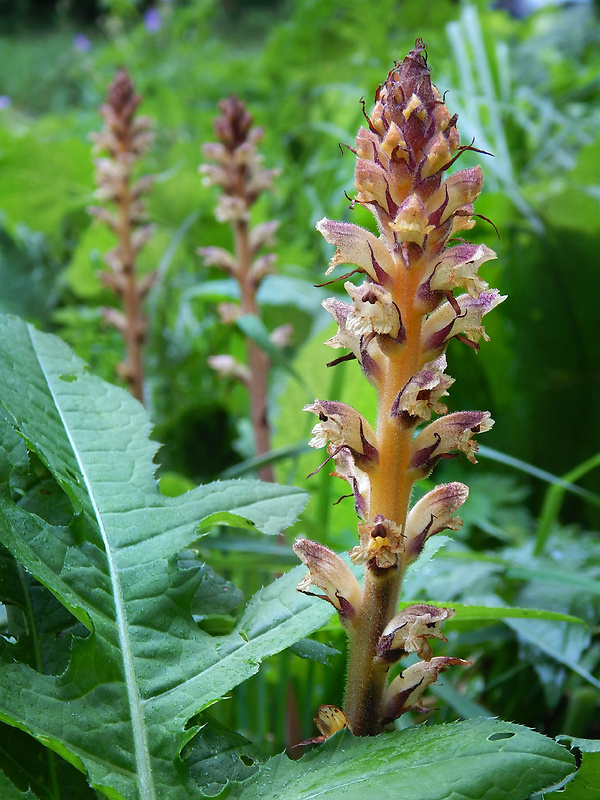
<point>421,290</point>
<point>120,145</point>
<point>236,166</point>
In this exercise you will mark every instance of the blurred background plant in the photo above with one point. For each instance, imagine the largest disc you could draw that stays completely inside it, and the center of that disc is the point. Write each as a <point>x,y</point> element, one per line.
<point>120,144</point>
<point>527,88</point>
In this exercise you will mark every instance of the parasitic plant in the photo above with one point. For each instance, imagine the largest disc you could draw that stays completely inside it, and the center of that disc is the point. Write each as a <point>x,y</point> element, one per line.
<point>421,290</point>
<point>238,170</point>
<point>120,145</point>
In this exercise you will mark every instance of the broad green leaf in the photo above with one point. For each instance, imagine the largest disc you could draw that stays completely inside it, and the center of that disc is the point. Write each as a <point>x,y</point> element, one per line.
<point>475,759</point>
<point>585,785</point>
<point>44,176</point>
<point>120,711</point>
<point>214,595</point>
<point>316,651</point>
<point>217,755</point>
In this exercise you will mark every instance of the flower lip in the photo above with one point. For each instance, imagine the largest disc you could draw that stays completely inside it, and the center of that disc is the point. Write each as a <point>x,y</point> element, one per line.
<point>409,631</point>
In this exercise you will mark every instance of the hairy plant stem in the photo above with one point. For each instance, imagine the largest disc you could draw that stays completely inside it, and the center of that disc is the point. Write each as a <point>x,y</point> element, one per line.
<point>391,487</point>
<point>134,318</point>
<point>258,361</point>
<point>367,679</point>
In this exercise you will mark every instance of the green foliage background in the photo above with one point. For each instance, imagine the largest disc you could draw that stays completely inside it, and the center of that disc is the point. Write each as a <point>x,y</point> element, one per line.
<point>528,91</point>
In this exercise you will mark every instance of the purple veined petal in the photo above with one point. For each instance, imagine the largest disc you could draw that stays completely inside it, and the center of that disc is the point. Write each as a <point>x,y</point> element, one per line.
<point>342,426</point>
<point>404,692</point>
<point>333,576</point>
<point>449,434</point>
<point>432,514</point>
<point>359,247</point>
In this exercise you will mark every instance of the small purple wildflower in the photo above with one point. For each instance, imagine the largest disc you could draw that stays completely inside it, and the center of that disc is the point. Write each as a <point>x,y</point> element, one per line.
<point>152,20</point>
<point>82,43</point>
<point>5,101</point>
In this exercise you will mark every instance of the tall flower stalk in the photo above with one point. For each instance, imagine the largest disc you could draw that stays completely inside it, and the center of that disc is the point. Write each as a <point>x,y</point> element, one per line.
<point>237,168</point>
<point>120,145</point>
<point>422,289</point>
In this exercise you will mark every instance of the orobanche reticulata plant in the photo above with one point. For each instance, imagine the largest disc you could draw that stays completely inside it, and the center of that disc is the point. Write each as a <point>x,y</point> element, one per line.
<point>106,670</point>
<point>422,289</point>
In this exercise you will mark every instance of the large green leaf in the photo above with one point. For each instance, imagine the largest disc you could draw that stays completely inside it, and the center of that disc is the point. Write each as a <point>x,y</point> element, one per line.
<point>120,710</point>
<point>585,785</point>
<point>482,758</point>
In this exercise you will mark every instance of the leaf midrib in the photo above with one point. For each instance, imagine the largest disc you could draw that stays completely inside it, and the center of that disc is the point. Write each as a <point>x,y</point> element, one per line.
<point>143,773</point>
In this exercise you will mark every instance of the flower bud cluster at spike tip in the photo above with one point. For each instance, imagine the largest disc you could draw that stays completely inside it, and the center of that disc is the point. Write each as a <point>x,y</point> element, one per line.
<point>238,166</point>
<point>420,290</point>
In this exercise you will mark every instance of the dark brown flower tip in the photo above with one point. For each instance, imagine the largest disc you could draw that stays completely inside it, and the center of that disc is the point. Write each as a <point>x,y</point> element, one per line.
<point>121,96</point>
<point>234,124</point>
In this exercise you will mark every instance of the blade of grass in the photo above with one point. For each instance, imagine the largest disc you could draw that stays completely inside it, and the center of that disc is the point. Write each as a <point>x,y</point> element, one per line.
<point>553,501</point>
<point>536,472</point>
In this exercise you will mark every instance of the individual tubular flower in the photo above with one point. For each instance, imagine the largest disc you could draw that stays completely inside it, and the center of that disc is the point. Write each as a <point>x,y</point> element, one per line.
<point>327,571</point>
<point>404,692</point>
<point>238,170</point>
<point>342,426</point>
<point>432,514</point>
<point>446,435</point>
<point>420,397</point>
<point>421,291</point>
<point>123,141</point>
<point>381,543</point>
<point>410,630</point>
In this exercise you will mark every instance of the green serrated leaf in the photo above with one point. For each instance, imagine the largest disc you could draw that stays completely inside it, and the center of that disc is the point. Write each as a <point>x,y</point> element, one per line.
<point>585,784</point>
<point>120,710</point>
<point>217,755</point>
<point>8,791</point>
<point>475,759</point>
